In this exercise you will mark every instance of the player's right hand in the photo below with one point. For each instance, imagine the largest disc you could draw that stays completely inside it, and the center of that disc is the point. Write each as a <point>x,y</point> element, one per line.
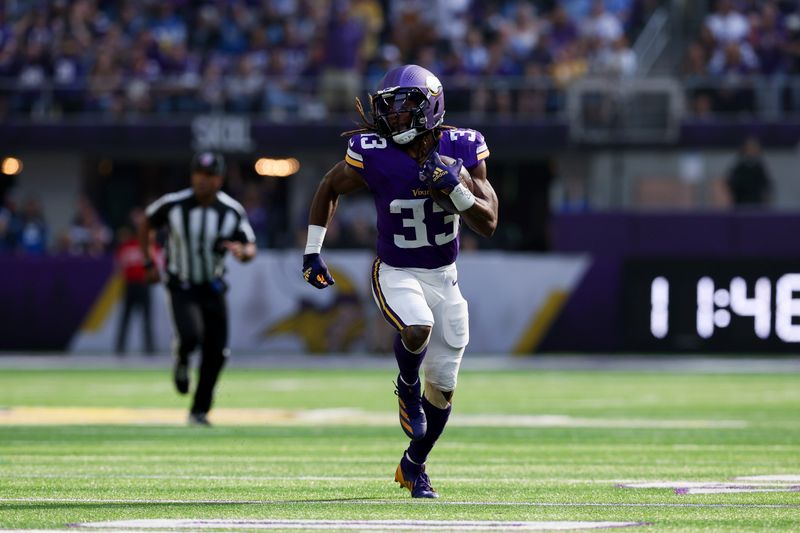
<point>315,271</point>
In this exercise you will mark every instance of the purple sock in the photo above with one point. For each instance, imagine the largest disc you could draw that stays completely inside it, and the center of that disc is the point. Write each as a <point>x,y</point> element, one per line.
<point>408,362</point>
<point>437,419</point>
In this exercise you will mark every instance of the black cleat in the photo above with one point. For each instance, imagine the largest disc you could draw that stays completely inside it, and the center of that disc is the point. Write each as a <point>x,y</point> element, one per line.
<point>413,477</point>
<point>199,419</point>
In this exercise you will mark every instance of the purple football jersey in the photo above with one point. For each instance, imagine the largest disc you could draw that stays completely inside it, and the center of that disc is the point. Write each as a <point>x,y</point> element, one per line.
<point>413,231</point>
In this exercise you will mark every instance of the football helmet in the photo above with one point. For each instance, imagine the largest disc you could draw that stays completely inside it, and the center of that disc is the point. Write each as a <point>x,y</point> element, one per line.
<point>408,102</point>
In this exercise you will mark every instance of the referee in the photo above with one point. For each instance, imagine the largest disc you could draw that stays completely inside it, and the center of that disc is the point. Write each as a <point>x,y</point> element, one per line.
<point>203,224</point>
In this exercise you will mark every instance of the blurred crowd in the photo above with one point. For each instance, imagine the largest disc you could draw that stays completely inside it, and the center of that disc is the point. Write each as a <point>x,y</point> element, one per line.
<point>750,50</point>
<point>299,57</point>
<point>24,230</point>
<point>308,58</point>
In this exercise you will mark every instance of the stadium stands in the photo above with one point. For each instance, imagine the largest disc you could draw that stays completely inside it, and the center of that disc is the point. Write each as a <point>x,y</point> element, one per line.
<point>540,78</point>
<point>123,58</point>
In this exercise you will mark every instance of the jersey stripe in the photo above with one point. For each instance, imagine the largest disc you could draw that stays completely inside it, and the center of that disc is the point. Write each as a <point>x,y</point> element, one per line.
<point>194,228</point>
<point>355,155</point>
<point>387,311</point>
<point>177,243</point>
<point>352,162</point>
<point>210,224</point>
<point>483,155</point>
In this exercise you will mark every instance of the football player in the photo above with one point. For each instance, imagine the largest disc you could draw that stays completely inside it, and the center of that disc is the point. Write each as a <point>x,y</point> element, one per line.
<point>396,155</point>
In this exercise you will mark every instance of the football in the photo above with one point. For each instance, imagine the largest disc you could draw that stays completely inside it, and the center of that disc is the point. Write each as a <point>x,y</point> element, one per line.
<point>442,198</point>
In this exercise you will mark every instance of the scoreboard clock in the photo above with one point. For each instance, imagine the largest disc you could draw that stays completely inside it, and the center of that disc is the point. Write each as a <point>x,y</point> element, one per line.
<point>714,305</point>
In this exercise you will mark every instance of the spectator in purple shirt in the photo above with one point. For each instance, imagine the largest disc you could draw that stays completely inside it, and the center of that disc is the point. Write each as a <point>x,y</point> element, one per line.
<point>769,44</point>
<point>561,29</point>
<point>769,40</point>
<point>341,79</point>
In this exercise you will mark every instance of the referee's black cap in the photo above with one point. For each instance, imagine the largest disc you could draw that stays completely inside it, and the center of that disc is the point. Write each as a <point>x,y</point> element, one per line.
<point>210,162</point>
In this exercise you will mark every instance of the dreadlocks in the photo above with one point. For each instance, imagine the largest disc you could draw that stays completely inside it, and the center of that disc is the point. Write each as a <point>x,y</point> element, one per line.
<point>367,126</point>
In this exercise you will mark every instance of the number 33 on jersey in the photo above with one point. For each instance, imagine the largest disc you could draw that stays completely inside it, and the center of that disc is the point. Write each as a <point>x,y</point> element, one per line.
<point>413,231</point>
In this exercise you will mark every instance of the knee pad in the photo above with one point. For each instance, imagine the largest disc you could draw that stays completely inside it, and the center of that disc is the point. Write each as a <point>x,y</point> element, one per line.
<point>455,323</point>
<point>447,345</point>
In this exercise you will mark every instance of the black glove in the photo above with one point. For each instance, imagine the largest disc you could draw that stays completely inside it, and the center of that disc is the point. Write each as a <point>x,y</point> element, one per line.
<point>315,271</point>
<point>439,175</point>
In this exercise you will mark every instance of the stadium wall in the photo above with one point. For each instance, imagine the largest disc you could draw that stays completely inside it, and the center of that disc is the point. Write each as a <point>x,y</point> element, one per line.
<point>649,283</point>
<point>74,305</point>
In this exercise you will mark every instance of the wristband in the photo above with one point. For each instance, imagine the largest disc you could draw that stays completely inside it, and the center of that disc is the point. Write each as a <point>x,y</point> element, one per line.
<point>462,197</point>
<point>316,234</point>
<point>148,263</point>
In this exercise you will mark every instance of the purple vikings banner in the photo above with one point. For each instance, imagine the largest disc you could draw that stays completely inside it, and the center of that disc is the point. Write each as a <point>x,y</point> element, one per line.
<point>43,300</point>
<point>617,282</point>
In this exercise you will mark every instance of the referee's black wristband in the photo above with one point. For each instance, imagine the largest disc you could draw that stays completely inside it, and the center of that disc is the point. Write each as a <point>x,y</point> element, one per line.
<point>149,264</point>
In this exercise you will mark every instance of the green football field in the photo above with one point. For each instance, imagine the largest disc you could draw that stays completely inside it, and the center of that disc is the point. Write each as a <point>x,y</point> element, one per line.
<point>316,449</point>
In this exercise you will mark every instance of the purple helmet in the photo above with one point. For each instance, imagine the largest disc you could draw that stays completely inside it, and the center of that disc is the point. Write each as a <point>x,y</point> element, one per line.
<point>408,89</point>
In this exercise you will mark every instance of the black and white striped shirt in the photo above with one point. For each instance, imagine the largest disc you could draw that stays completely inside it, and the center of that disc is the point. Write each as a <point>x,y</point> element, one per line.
<point>194,230</point>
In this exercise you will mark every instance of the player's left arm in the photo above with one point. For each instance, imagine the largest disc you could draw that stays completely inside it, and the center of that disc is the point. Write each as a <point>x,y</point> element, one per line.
<point>481,217</point>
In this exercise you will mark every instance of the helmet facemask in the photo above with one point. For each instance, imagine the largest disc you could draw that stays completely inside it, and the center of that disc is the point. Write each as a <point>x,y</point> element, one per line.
<point>399,113</point>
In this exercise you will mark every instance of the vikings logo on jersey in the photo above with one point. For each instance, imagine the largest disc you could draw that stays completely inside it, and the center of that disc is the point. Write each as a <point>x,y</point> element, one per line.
<point>413,231</point>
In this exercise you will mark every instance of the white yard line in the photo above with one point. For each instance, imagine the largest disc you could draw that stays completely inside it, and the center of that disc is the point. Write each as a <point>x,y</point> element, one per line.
<point>778,478</point>
<point>404,501</point>
<point>697,484</point>
<point>250,477</point>
<point>360,525</point>
<point>734,490</point>
<point>720,487</point>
